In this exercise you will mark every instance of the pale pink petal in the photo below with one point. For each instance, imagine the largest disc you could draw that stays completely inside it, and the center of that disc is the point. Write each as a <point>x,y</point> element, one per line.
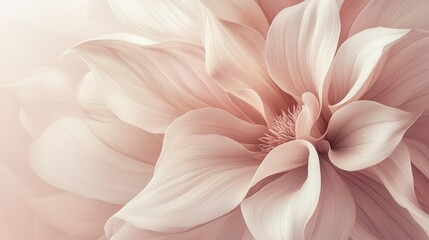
<point>350,9</point>
<point>364,133</point>
<point>310,112</point>
<point>203,160</point>
<point>282,209</point>
<point>389,13</point>
<point>69,156</point>
<point>335,208</point>
<point>150,85</point>
<point>235,59</point>
<point>395,173</point>
<point>242,12</point>
<point>356,64</point>
<point>377,213</point>
<point>229,227</point>
<point>272,7</point>
<point>74,215</point>
<point>301,44</point>
<point>162,19</point>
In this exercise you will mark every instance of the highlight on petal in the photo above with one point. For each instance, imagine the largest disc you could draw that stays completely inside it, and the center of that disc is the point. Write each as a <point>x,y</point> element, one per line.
<point>282,209</point>
<point>377,213</point>
<point>358,63</point>
<point>301,44</point>
<point>229,227</point>
<point>150,85</point>
<point>203,160</point>
<point>71,157</point>
<point>395,173</point>
<point>162,19</point>
<point>364,133</point>
<point>306,120</point>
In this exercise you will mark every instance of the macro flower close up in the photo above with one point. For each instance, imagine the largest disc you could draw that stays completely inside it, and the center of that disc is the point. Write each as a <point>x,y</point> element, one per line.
<point>231,119</point>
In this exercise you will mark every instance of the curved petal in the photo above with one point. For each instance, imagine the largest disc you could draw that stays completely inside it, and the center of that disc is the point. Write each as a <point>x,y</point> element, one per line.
<point>202,161</point>
<point>395,173</point>
<point>364,133</point>
<point>310,112</point>
<point>150,85</point>
<point>377,213</point>
<point>235,55</point>
<point>229,227</point>
<point>357,62</point>
<point>69,156</point>
<point>389,13</point>
<point>242,12</point>
<point>301,44</point>
<point>282,209</point>
<point>162,19</point>
<point>335,208</point>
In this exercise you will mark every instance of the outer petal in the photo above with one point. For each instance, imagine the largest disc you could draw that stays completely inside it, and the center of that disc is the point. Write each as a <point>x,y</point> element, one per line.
<point>301,44</point>
<point>395,173</point>
<point>378,214</point>
<point>364,133</point>
<point>68,155</point>
<point>386,13</point>
<point>403,83</point>
<point>161,19</point>
<point>357,62</point>
<point>200,163</point>
<point>228,227</point>
<point>336,207</point>
<point>282,208</point>
<point>150,85</point>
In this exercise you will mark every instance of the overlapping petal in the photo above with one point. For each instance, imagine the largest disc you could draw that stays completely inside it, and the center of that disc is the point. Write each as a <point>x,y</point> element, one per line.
<point>301,44</point>
<point>364,133</point>
<point>203,159</point>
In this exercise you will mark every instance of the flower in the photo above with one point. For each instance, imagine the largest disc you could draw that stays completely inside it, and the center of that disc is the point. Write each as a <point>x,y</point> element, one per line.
<point>278,120</point>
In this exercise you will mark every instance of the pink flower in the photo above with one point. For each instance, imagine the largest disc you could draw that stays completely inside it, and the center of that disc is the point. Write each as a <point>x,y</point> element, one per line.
<point>278,120</point>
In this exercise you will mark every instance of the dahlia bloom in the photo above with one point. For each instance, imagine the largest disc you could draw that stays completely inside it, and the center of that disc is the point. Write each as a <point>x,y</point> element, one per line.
<point>277,120</point>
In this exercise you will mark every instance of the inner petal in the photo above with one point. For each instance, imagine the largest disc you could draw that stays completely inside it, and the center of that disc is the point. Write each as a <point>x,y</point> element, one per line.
<point>282,130</point>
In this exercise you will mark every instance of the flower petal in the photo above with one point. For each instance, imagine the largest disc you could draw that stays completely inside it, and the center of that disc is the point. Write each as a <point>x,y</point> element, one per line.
<point>69,156</point>
<point>307,118</point>
<point>357,62</point>
<point>377,213</point>
<point>229,227</point>
<point>150,85</point>
<point>282,209</point>
<point>395,173</point>
<point>389,13</point>
<point>335,208</point>
<point>301,44</point>
<point>203,160</point>
<point>364,133</point>
<point>161,19</point>
<point>272,7</point>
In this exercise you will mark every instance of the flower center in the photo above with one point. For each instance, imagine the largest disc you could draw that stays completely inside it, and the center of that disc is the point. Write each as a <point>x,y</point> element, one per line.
<point>282,130</point>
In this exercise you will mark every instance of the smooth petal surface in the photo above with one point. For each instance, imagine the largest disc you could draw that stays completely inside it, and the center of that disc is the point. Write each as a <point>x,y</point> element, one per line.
<point>395,173</point>
<point>357,62</point>
<point>150,85</point>
<point>310,112</point>
<point>301,44</point>
<point>336,207</point>
<point>203,160</point>
<point>162,19</point>
<point>282,209</point>
<point>69,156</point>
<point>272,7</point>
<point>386,13</point>
<point>377,213</point>
<point>364,133</point>
<point>228,227</point>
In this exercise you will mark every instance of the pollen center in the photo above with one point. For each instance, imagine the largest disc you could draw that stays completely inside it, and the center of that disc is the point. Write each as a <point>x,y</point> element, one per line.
<point>282,130</point>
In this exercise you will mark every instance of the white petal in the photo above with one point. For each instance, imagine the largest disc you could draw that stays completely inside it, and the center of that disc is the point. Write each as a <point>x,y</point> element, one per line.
<point>69,156</point>
<point>282,209</point>
<point>301,44</point>
<point>364,133</point>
